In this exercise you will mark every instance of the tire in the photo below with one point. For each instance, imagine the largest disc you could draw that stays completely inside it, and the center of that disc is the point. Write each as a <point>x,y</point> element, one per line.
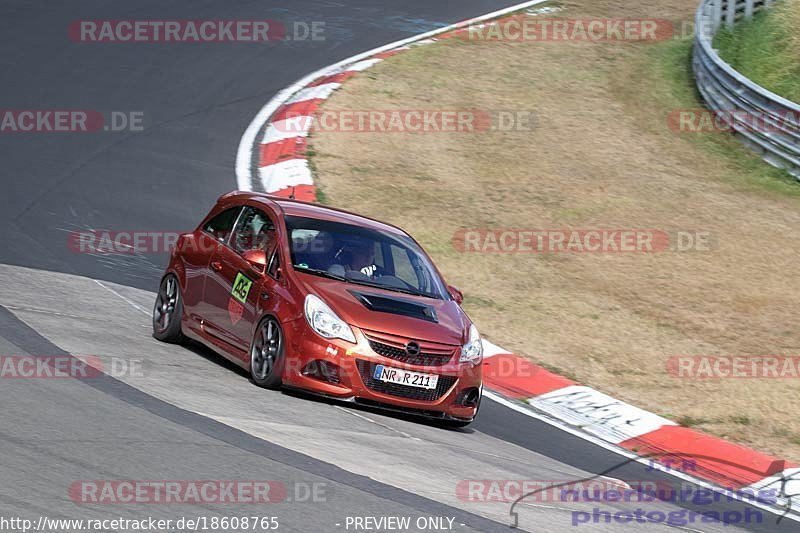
<point>168,311</point>
<point>267,354</point>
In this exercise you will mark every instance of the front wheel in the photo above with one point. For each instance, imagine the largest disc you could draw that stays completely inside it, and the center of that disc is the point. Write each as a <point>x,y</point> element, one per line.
<point>266,354</point>
<point>168,311</point>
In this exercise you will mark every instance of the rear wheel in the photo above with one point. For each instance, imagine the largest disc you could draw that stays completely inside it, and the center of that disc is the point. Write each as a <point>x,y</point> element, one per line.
<point>168,311</point>
<point>266,354</point>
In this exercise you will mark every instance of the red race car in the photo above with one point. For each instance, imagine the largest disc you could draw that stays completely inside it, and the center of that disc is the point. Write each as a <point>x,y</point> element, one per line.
<point>319,299</point>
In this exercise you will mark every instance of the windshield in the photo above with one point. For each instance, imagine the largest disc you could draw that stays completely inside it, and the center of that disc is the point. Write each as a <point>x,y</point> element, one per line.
<point>363,256</point>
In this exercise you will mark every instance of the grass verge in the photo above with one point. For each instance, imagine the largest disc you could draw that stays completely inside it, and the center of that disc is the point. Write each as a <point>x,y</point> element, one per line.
<point>766,48</point>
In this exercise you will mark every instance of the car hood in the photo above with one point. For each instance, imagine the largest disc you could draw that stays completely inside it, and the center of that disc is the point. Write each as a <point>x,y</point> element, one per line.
<point>347,301</point>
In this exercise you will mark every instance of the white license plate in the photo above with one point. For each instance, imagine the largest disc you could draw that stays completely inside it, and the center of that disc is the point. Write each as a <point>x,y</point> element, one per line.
<point>405,377</point>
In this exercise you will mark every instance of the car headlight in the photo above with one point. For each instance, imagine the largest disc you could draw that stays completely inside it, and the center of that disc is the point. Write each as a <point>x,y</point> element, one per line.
<point>325,322</point>
<point>472,352</point>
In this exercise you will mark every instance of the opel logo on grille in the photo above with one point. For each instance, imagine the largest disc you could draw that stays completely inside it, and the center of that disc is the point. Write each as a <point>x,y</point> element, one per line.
<point>412,348</point>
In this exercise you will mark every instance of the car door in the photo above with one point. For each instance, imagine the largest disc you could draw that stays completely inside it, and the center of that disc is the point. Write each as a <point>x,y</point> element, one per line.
<point>196,253</point>
<point>233,287</point>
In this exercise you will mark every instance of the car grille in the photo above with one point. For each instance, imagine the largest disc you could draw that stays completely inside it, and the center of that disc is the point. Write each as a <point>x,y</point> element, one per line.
<point>398,353</point>
<point>367,371</point>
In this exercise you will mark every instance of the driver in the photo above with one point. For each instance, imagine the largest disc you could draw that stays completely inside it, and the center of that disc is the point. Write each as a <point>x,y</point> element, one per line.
<point>361,258</point>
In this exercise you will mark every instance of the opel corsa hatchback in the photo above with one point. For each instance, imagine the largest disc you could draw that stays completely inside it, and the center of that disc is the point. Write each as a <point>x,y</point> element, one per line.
<point>319,299</point>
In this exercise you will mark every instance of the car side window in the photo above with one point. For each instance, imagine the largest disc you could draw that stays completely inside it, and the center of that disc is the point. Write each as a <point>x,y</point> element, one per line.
<point>254,231</point>
<point>221,225</point>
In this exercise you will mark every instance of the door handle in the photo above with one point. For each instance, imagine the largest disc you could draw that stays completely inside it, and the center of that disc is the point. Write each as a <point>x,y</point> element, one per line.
<point>216,265</point>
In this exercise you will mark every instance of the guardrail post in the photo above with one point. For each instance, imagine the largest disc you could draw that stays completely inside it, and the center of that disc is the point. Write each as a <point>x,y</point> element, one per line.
<point>730,14</point>
<point>748,9</point>
<point>716,15</point>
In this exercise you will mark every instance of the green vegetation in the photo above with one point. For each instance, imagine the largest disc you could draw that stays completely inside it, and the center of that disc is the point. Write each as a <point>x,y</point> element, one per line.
<point>766,49</point>
<point>668,73</point>
<point>689,421</point>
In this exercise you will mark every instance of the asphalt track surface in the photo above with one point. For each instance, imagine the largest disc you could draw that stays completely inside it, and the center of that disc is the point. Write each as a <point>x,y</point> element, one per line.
<point>190,415</point>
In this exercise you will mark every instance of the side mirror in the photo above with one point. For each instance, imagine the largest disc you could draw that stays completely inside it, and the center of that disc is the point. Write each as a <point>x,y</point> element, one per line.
<point>457,295</point>
<point>257,260</point>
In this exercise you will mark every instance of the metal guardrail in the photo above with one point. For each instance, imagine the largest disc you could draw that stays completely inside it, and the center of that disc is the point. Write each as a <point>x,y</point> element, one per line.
<point>768,123</point>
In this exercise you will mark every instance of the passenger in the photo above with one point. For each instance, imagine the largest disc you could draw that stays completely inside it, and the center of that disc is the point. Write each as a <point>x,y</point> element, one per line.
<point>320,251</point>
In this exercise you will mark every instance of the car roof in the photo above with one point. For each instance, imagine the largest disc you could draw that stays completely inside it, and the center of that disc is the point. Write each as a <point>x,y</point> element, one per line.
<point>299,208</point>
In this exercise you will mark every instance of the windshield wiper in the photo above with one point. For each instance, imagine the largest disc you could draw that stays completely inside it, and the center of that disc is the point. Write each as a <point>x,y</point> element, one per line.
<point>323,273</point>
<point>389,287</point>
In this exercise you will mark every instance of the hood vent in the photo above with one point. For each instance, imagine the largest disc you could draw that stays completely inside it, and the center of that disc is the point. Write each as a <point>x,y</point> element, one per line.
<point>396,306</point>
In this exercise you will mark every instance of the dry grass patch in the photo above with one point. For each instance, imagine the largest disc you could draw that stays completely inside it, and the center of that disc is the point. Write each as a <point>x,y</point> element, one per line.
<point>601,157</point>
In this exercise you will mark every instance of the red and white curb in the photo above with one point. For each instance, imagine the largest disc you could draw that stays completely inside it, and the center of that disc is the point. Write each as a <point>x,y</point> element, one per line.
<point>634,432</point>
<point>282,162</point>
<point>272,152</point>
<point>272,158</point>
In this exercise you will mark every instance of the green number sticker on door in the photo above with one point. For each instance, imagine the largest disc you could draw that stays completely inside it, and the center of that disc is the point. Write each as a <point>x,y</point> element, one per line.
<point>241,287</point>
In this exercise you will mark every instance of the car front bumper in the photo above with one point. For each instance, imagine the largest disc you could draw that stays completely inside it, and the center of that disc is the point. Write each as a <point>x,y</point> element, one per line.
<point>342,370</point>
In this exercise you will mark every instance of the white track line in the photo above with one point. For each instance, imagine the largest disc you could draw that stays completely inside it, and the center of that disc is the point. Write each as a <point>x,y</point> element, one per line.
<point>244,155</point>
<point>127,300</point>
<point>350,411</point>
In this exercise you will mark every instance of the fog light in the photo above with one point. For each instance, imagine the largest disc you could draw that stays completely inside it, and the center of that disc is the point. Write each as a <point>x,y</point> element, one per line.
<point>469,397</point>
<point>323,371</point>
